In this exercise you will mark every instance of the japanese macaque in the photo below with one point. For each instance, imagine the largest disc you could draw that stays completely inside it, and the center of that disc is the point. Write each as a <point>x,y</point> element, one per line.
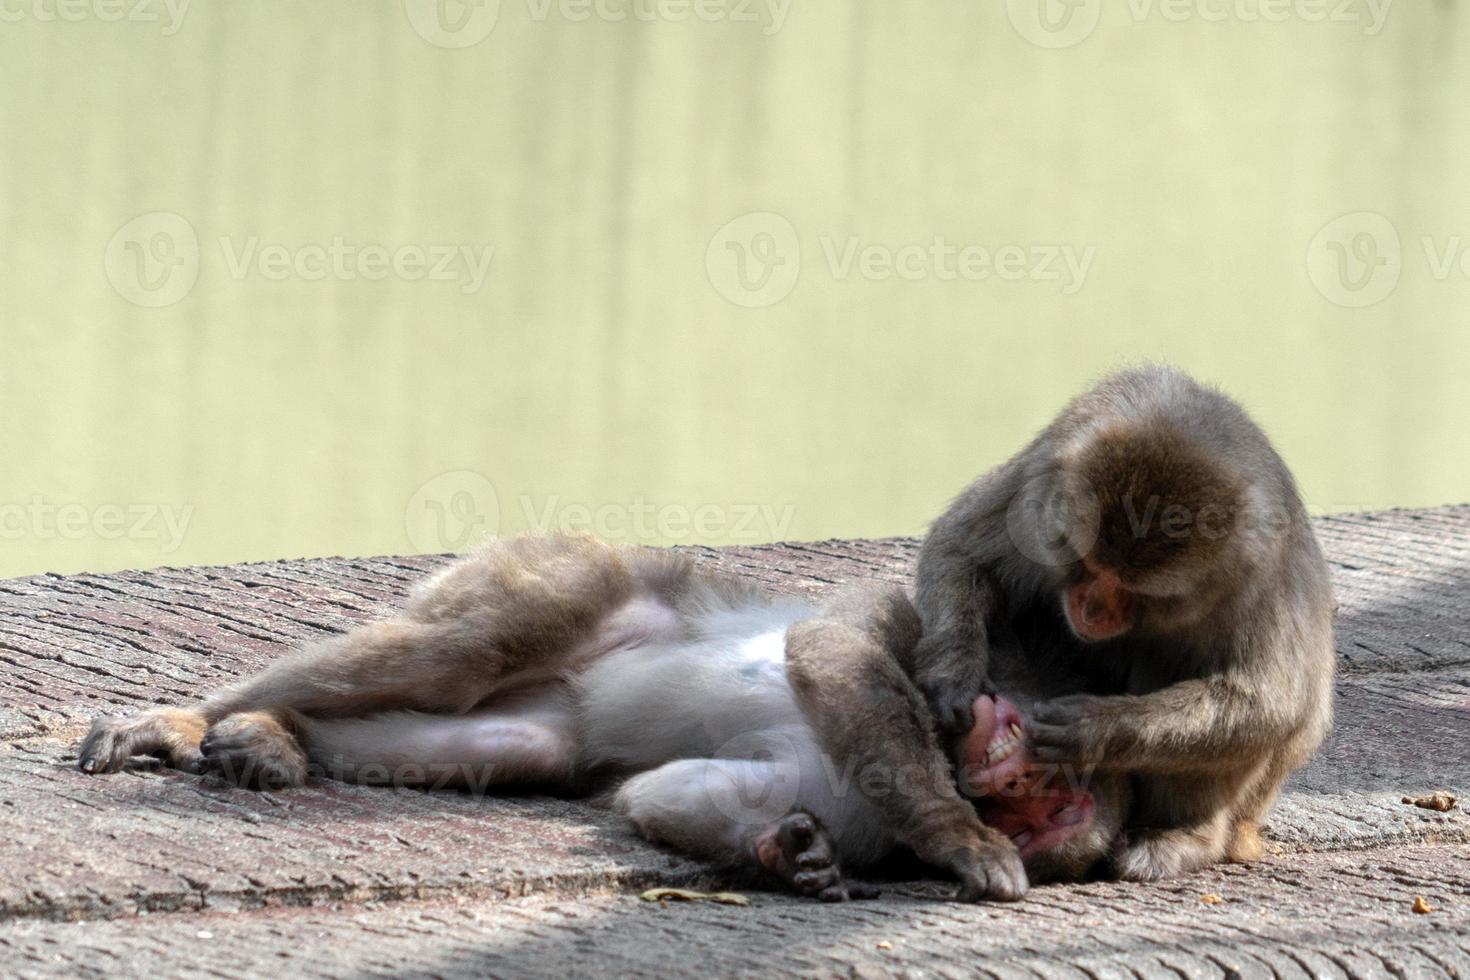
<point>1149,551</point>
<point>735,727</point>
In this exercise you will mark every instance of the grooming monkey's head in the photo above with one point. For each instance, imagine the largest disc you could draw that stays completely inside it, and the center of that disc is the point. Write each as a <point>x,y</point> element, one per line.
<point>1157,528</point>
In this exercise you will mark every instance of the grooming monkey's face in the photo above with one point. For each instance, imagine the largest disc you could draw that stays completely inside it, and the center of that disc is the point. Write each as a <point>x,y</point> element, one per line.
<point>1036,807</point>
<point>1097,605</point>
<point>1156,530</point>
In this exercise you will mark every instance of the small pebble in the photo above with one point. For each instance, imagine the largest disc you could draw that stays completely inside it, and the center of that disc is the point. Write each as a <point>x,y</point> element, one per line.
<point>1211,899</point>
<point>885,944</point>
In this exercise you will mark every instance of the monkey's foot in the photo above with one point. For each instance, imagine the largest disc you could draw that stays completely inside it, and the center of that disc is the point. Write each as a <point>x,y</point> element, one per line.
<point>797,850</point>
<point>254,750</point>
<point>1149,855</point>
<point>170,735</point>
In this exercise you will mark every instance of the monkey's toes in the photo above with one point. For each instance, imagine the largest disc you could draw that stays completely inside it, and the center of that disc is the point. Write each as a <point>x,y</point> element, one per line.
<point>253,751</point>
<point>797,850</point>
<point>99,752</point>
<point>849,891</point>
<point>168,735</point>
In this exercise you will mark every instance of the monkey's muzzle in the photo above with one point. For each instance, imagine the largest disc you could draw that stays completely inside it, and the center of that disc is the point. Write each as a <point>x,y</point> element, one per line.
<point>1034,806</point>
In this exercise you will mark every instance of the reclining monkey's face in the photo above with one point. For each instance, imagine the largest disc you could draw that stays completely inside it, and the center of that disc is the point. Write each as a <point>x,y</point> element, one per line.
<point>1062,820</point>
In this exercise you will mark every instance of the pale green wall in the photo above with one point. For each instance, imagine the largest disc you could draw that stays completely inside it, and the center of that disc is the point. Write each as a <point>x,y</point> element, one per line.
<point>599,363</point>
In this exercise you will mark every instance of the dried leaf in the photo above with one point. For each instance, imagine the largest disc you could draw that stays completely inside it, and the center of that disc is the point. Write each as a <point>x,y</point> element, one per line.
<point>661,895</point>
<point>1441,801</point>
<point>1422,907</point>
<point>1211,899</point>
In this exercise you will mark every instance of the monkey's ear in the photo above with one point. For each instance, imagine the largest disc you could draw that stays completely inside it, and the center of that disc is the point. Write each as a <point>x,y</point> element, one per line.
<point>1260,525</point>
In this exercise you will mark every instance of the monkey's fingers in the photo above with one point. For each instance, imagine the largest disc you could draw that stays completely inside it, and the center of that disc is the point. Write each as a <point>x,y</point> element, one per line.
<point>996,875</point>
<point>955,716</point>
<point>1053,743</point>
<point>1068,709</point>
<point>951,707</point>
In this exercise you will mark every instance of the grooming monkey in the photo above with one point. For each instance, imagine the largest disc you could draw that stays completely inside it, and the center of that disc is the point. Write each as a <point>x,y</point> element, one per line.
<point>731,724</point>
<point>1149,550</point>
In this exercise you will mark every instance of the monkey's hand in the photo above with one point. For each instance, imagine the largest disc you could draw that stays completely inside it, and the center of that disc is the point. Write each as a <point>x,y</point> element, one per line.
<point>950,672</point>
<point>1075,729</point>
<point>797,850</point>
<point>993,872</point>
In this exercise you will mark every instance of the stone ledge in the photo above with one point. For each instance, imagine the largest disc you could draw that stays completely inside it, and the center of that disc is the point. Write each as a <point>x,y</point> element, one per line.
<point>82,848</point>
<point>1317,915</point>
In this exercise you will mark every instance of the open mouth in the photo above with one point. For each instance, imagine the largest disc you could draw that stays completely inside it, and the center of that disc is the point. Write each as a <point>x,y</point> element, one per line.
<point>1039,823</point>
<point>1036,809</point>
<point>991,756</point>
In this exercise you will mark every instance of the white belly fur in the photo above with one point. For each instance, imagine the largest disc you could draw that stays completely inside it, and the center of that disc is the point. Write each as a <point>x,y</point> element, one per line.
<point>710,697</point>
<point>722,695</point>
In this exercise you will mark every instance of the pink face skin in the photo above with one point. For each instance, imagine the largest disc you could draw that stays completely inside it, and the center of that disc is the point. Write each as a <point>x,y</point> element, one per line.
<point>1036,808</point>
<point>1099,606</point>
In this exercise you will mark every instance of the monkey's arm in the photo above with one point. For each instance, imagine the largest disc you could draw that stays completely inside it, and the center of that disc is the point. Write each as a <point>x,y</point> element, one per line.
<point>956,595</point>
<point>847,677</point>
<point>1191,726</point>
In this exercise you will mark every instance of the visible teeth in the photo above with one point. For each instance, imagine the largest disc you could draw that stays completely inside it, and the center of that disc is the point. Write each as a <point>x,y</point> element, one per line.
<point>1001,748</point>
<point>1015,729</point>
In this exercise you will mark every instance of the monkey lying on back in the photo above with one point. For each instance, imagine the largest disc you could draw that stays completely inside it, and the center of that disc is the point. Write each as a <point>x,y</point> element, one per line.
<point>740,727</point>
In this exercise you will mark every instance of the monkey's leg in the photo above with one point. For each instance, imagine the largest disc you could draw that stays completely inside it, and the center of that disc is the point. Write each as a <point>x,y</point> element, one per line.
<point>530,741</point>
<point>1263,785</point>
<point>730,811</point>
<point>523,609</point>
<point>383,666</point>
<point>1199,829</point>
<point>523,606</point>
<point>867,713</point>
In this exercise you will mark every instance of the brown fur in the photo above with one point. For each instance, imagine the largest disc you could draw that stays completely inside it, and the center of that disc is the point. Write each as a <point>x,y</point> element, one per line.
<point>846,671</point>
<point>496,620</point>
<point>1142,472</point>
<point>1224,684</point>
<point>172,735</point>
<point>496,635</point>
